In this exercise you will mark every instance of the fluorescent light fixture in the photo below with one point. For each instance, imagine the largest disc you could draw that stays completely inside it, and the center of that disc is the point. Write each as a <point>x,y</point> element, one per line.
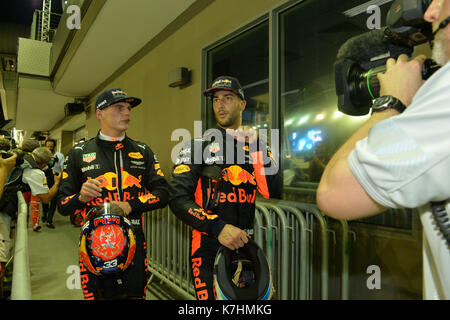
<point>303,120</point>
<point>320,116</point>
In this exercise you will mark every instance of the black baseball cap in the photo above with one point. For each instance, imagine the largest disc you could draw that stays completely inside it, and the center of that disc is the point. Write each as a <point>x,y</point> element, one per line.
<point>114,95</point>
<point>225,83</point>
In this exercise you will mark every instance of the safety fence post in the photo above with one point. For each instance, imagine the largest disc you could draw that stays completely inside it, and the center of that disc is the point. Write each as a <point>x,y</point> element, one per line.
<point>298,252</point>
<point>309,210</point>
<point>21,280</point>
<point>281,241</point>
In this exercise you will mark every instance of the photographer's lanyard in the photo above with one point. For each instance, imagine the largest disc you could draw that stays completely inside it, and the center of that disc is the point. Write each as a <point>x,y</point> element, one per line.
<point>119,173</point>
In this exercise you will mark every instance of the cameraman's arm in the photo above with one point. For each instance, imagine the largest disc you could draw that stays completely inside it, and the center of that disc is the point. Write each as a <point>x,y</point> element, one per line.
<point>340,195</point>
<point>6,165</point>
<point>47,197</point>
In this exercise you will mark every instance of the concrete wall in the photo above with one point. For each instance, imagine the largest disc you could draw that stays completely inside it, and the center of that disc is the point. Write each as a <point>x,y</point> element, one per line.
<point>165,109</point>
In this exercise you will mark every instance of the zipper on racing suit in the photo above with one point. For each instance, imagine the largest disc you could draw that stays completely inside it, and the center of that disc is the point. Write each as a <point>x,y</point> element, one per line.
<point>118,164</point>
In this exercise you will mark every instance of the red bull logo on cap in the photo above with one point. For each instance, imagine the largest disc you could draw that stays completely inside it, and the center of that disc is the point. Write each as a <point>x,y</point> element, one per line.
<point>222,82</point>
<point>236,175</point>
<point>118,92</point>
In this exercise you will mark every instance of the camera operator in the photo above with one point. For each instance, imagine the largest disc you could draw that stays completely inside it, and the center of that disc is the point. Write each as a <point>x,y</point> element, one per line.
<point>35,183</point>
<point>55,166</point>
<point>399,159</point>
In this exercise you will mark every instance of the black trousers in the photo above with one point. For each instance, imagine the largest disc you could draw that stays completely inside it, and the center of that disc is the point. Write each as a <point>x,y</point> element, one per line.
<point>48,210</point>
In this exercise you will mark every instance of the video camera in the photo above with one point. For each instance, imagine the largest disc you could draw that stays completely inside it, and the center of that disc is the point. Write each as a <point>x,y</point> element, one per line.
<point>361,58</point>
<point>7,154</point>
<point>52,162</point>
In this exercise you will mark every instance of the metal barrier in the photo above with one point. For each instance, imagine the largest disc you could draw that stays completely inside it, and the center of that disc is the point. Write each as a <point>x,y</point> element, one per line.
<point>168,251</point>
<point>21,282</point>
<point>292,235</point>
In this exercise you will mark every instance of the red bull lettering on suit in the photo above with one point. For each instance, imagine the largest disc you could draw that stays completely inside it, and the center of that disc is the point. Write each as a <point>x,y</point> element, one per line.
<point>84,278</point>
<point>148,198</point>
<point>201,214</point>
<point>201,294</point>
<point>114,196</point>
<point>240,197</point>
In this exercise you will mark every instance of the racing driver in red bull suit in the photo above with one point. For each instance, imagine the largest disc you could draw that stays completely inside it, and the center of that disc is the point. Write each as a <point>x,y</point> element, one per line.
<point>244,169</point>
<point>111,167</point>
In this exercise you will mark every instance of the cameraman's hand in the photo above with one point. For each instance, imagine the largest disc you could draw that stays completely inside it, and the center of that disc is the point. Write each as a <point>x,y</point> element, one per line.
<point>8,163</point>
<point>232,237</point>
<point>90,189</point>
<point>402,78</point>
<point>57,178</point>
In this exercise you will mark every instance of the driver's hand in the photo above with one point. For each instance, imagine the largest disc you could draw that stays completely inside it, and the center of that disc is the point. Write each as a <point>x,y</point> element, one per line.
<point>232,237</point>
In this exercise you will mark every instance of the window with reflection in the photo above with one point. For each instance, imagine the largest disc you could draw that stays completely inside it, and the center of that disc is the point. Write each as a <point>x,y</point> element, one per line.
<point>245,57</point>
<point>311,34</point>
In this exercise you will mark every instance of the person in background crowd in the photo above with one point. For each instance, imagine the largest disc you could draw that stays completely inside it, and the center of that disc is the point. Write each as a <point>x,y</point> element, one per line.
<point>56,166</point>
<point>35,186</point>
<point>6,165</point>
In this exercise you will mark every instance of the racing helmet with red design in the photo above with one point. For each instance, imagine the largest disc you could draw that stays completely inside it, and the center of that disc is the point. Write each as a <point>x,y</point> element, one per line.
<point>107,241</point>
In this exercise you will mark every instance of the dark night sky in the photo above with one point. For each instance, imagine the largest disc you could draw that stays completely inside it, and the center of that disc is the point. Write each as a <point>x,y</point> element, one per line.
<point>21,11</point>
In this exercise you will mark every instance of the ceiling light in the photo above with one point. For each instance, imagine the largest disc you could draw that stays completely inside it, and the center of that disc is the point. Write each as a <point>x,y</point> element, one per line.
<point>303,120</point>
<point>320,116</point>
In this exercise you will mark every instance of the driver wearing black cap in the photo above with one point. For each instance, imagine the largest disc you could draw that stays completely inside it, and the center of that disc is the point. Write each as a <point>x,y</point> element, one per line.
<point>111,167</point>
<point>229,221</point>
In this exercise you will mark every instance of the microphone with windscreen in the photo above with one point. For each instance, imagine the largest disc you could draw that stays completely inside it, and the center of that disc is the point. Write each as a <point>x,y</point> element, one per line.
<point>358,62</point>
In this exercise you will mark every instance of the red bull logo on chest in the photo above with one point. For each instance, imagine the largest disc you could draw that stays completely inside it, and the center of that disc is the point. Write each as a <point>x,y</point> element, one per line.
<point>236,175</point>
<point>109,180</point>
